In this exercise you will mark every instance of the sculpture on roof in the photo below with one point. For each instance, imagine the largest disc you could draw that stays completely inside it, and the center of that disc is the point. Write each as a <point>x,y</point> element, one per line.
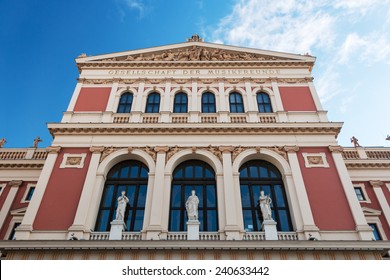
<point>36,142</point>
<point>2,142</point>
<point>355,141</point>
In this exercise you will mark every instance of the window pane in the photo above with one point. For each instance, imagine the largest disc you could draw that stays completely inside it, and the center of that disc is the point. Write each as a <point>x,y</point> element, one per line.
<point>245,197</point>
<point>198,171</point>
<point>141,196</point>
<point>104,220</point>
<point>124,172</point>
<point>107,197</point>
<point>263,172</point>
<point>375,231</point>
<point>283,221</point>
<point>189,172</point>
<point>211,197</point>
<point>254,171</point>
<point>128,219</point>
<point>201,220</point>
<point>175,220</point>
<point>134,171</point>
<point>178,173</point>
<point>279,196</point>
<point>209,173</point>
<point>212,220</point>
<point>131,195</point>
<point>176,196</point>
<point>256,193</point>
<point>248,220</point>
<point>139,219</point>
<point>244,172</point>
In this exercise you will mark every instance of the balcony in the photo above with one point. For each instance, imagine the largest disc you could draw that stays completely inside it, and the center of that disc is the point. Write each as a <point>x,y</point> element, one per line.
<point>203,236</point>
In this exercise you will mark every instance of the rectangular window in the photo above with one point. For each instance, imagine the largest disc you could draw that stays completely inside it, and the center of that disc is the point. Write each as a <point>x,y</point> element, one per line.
<point>375,231</point>
<point>12,235</point>
<point>29,194</point>
<point>359,194</point>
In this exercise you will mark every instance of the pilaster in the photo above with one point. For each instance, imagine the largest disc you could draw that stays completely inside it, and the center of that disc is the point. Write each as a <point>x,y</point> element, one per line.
<point>14,186</point>
<point>309,228</point>
<point>155,228</point>
<point>377,185</point>
<point>232,229</point>
<point>75,95</point>
<point>79,226</point>
<point>24,230</point>
<point>364,231</point>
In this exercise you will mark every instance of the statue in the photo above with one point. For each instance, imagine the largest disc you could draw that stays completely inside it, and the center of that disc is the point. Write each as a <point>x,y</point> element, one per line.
<point>192,206</point>
<point>36,141</point>
<point>265,206</point>
<point>388,137</point>
<point>355,142</point>
<point>122,203</point>
<point>2,142</point>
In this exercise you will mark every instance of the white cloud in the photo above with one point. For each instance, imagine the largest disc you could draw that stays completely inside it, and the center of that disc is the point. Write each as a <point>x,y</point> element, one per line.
<point>137,5</point>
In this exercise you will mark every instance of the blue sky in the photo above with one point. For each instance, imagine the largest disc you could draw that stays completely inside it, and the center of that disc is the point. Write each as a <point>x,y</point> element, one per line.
<point>40,39</point>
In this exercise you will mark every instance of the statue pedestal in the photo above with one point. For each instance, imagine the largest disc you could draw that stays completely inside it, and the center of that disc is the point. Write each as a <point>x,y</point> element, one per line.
<point>193,230</point>
<point>117,227</point>
<point>269,227</point>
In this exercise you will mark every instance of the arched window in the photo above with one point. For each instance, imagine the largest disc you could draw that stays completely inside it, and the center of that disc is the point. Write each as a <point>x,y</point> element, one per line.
<point>257,175</point>
<point>263,102</point>
<point>180,104</point>
<point>125,103</point>
<point>236,103</point>
<point>153,103</point>
<point>132,177</point>
<point>199,176</point>
<point>208,103</point>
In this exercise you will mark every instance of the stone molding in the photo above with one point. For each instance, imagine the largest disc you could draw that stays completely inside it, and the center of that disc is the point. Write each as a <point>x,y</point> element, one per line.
<point>376,183</point>
<point>337,149</point>
<point>54,149</point>
<point>15,183</point>
<point>291,149</point>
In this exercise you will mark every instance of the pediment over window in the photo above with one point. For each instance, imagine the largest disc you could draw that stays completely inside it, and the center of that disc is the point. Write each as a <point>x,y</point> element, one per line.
<point>195,51</point>
<point>370,212</point>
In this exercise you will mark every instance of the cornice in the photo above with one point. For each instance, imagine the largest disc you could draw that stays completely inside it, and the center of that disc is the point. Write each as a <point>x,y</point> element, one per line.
<point>22,165</point>
<point>350,164</point>
<point>193,129</point>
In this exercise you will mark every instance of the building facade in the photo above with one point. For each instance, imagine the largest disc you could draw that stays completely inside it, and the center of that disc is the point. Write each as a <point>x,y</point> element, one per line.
<point>225,121</point>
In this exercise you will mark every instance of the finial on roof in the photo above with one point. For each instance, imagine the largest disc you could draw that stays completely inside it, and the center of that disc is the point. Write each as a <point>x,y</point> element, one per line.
<point>195,38</point>
<point>82,55</point>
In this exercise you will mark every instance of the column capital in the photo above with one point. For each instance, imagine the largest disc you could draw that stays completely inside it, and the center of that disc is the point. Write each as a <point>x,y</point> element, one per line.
<point>81,80</point>
<point>15,183</point>
<point>376,183</point>
<point>337,149</point>
<point>226,149</point>
<point>161,149</point>
<point>96,149</point>
<point>54,149</point>
<point>291,149</point>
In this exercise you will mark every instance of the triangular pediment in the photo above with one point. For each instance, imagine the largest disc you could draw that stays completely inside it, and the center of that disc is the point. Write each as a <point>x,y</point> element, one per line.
<point>195,51</point>
<point>370,212</point>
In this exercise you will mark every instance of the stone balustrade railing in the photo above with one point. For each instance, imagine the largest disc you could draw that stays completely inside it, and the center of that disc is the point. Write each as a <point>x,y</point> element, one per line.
<point>23,154</point>
<point>366,153</point>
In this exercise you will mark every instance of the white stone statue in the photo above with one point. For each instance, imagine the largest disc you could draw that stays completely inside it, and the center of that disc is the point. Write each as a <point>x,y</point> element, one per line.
<point>265,206</point>
<point>122,203</point>
<point>192,206</point>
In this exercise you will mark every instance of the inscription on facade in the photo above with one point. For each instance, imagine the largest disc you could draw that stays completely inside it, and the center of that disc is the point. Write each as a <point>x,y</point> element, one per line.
<point>192,72</point>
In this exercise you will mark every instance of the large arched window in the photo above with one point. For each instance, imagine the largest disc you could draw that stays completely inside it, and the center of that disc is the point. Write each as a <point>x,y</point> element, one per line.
<point>257,175</point>
<point>153,103</point>
<point>263,102</point>
<point>132,177</point>
<point>236,103</point>
<point>125,103</point>
<point>208,103</point>
<point>180,104</point>
<point>199,176</point>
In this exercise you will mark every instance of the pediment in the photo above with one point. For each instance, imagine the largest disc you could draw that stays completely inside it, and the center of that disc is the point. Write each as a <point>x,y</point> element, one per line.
<point>370,212</point>
<point>195,51</point>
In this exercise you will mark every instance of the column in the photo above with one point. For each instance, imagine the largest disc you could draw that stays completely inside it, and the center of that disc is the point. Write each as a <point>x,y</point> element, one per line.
<point>195,107</point>
<point>137,111</point>
<point>320,111</point>
<point>252,109</point>
<point>382,199</point>
<point>278,102</point>
<point>154,228</point>
<point>166,100</point>
<point>14,186</point>
<point>79,226</point>
<point>67,116</point>
<point>232,229</point>
<point>362,228</point>
<point>309,226</point>
<point>25,228</point>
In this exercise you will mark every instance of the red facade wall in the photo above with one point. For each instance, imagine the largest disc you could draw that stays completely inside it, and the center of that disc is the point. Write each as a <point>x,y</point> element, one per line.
<point>375,205</point>
<point>386,191</point>
<point>4,194</point>
<point>16,204</point>
<point>92,99</point>
<point>297,99</point>
<point>63,191</point>
<point>326,195</point>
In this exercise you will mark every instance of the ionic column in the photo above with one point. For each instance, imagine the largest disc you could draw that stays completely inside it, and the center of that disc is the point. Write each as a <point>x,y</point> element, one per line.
<point>154,228</point>
<point>232,228</point>
<point>362,228</point>
<point>308,226</point>
<point>79,227</point>
<point>14,186</point>
<point>382,199</point>
<point>26,227</point>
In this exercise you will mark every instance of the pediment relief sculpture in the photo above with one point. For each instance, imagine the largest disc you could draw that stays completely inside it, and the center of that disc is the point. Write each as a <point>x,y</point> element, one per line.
<point>196,53</point>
